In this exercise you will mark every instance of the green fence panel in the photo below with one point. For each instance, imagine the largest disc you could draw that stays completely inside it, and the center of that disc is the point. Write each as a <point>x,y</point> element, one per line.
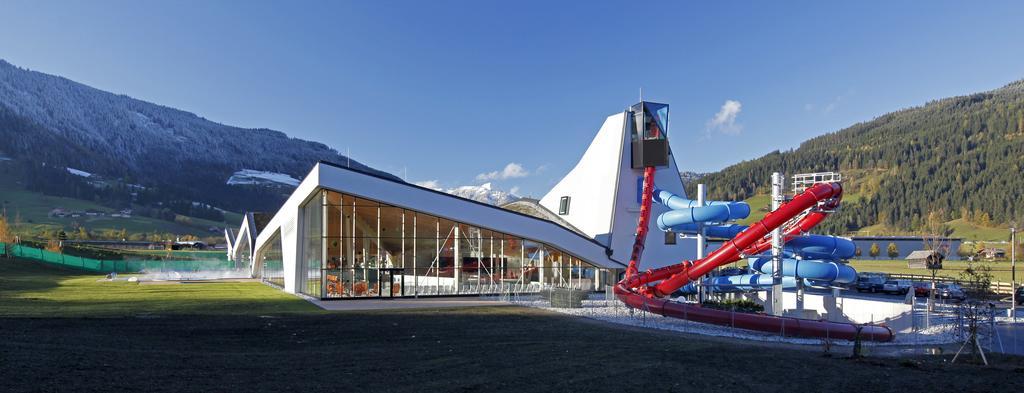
<point>123,266</point>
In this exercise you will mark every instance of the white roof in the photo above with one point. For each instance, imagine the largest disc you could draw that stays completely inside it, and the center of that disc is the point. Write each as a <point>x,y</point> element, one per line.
<point>406,195</point>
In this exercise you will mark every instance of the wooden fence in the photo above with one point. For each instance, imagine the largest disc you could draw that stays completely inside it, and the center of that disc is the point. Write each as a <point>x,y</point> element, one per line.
<point>997,287</point>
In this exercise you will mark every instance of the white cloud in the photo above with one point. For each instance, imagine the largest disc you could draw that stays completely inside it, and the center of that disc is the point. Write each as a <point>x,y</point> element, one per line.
<point>832,105</point>
<point>511,171</point>
<point>514,190</point>
<point>725,120</point>
<point>431,184</point>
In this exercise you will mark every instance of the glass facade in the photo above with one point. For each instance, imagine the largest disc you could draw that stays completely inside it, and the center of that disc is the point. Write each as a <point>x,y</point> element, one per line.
<point>270,262</point>
<point>355,247</point>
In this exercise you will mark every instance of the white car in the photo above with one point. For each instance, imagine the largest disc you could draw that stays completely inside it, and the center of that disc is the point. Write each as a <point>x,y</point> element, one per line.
<point>897,286</point>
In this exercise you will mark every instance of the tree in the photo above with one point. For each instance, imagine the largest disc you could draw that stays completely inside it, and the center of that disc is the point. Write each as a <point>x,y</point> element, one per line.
<point>53,246</point>
<point>874,251</point>
<point>984,219</point>
<point>965,250</point>
<point>6,237</point>
<point>857,252</point>
<point>893,251</point>
<point>83,234</point>
<point>977,277</point>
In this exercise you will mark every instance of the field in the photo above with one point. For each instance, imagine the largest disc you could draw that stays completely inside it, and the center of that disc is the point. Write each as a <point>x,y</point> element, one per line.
<point>30,289</point>
<point>1000,270</point>
<point>66,331</point>
<point>34,209</point>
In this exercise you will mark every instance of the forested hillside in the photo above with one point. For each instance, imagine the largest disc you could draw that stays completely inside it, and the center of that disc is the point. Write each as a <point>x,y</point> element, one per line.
<point>144,153</point>
<point>957,159</point>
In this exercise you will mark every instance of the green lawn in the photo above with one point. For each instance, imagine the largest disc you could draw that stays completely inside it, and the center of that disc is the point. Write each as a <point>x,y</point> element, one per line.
<point>969,231</point>
<point>226,337</point>
<point>951,269</point>
<point>759,206</point>
<point>30,289</point>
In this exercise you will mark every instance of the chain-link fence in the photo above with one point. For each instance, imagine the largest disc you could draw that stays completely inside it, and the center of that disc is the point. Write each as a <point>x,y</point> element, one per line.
<point>114,266</point>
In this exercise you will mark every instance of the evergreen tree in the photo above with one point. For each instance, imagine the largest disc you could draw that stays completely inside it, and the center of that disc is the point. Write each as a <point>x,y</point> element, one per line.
<point>911,168</point>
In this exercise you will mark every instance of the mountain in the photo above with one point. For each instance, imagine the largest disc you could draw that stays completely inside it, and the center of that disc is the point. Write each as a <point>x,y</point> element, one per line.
<point>690,176</point>
<point>147,153</point>
<point>485,193</point>
<point>948,163</point>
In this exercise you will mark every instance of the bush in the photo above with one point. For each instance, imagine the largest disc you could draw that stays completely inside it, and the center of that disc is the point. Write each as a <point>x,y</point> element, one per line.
<point>741,305</point>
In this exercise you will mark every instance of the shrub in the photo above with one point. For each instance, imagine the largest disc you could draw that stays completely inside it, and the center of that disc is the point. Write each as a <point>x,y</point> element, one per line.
<point>741,305</point>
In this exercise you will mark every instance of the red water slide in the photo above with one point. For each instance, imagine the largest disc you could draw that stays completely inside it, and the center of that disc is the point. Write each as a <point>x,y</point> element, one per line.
<point>646,290</point>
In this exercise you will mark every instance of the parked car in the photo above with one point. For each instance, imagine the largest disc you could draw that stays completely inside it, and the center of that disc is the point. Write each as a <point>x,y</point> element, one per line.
<point>870,284</point>
<point>896,287</point>
<point>921,289</point>
<point>1020,296</point>
<point>950,291</point>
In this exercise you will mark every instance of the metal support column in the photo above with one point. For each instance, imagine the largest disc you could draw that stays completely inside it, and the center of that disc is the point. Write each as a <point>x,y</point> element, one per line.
<point>1013,272</point>
<point>775,298</point>
<point>799,288</point>
<point>457,262</point>
<point>701,195</point>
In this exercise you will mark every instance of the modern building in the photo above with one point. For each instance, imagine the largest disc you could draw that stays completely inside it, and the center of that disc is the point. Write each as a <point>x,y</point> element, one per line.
<point>347,233</point>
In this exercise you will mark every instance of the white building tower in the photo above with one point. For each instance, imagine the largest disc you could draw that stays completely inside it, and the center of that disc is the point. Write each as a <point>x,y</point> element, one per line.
<point>601,195</point>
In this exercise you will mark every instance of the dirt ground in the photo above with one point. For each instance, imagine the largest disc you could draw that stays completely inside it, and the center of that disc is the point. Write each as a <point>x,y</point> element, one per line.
<point>482,349</point>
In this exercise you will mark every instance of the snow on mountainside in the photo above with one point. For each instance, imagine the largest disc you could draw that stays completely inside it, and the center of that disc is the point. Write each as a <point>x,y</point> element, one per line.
<point>688,176</point>
<point>251,177</point>
<point>78,172</point>
<point>50,119</point>
<point>485,193</point>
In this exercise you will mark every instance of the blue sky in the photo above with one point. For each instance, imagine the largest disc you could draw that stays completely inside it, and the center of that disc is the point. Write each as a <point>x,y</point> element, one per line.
<point>456,91</point>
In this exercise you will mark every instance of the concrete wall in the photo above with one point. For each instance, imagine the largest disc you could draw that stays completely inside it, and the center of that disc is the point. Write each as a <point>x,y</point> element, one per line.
<point>848,309</point>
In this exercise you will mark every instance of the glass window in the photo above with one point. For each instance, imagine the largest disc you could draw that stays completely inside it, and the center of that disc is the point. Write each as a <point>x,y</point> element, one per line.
<point>347,240</point>
<point>425,272</point>
<point>365,219</point>
<point>391,220</point>
<point>313,252</point>
<point>563,206</point>
<point>670,237</point>
<point>272,261</point>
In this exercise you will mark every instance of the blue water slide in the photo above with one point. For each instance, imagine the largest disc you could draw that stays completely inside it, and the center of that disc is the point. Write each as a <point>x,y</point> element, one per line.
<point>720,231</point>
<point>813,258</point>
<point>810,257</point>
<point>820,271</point>
<point>821,247</point>
<point>685,212</point>
<point>816,273</point>
<point>740,283</point>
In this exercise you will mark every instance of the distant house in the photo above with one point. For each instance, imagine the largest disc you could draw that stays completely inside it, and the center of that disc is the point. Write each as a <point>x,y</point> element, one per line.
<point>925,259</point>
<point>183,245</point>
<point>993,253</point>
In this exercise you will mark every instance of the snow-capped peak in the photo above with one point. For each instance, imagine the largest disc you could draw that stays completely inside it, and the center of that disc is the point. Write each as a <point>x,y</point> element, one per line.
<point>485,193</point>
